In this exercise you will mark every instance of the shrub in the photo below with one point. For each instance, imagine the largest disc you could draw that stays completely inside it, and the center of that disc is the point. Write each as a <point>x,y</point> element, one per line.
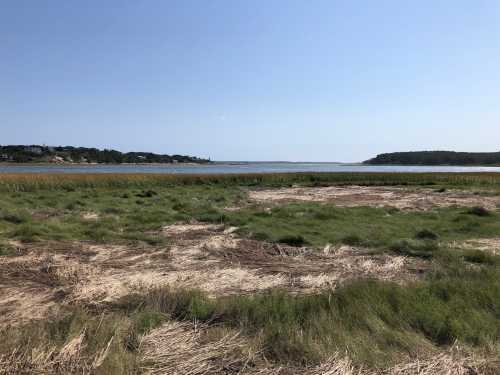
<point>479,257</point>
<point>260,236</point>
<point>27,232</point>
<point>147,320</point>
<point>420,249</point>
<point>293,240</point>
<point>146,194</point>
<point>478,211</point>
<point>352,240</point>
<point>426,234</point>
<point>112,210</point>
<point>13,218</point>
<point>6,250</point>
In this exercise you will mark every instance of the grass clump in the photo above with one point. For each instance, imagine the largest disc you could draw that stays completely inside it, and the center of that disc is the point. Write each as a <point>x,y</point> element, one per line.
<point>353,240</point>
<point>478,211</point>
<point>146,194</point>
<point>98,345</point>
<point>480,257</point>
<point>6,249</point>
<point>14,217</point>
<point>421,249</point>
<point>426,234</point>
<point>292,240</point>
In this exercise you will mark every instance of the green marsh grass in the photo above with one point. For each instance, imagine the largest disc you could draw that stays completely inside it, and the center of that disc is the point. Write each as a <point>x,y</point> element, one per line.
<point>72,182</point>
<point>383,228</point>
<point>376,322</point>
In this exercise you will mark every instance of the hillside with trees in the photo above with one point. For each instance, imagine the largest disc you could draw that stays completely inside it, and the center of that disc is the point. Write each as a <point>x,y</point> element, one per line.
<point>437,158</point>
<point>69,154</point>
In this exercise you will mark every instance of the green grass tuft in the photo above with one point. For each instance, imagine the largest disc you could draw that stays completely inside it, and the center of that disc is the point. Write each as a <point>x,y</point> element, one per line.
<point>426,234</point>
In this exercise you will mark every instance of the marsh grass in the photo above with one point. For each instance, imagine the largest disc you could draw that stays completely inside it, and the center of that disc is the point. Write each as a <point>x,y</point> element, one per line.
<point>61,215</point>
<point>6,249</point>
<point>58,215</point>
<point>75,182</point>
<point>375,320</point>
<point>386,229</point>
<point>99,338</point>
<point>378,323</point>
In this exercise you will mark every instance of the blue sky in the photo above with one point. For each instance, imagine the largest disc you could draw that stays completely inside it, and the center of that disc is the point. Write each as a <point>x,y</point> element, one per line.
<point>252,80</point>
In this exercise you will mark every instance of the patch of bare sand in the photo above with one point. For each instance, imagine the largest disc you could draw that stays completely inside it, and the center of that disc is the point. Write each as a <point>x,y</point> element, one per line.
<point>376,196</point>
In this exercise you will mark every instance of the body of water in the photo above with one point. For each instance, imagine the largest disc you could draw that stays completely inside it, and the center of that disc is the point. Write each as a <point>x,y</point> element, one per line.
<point>236,168</point>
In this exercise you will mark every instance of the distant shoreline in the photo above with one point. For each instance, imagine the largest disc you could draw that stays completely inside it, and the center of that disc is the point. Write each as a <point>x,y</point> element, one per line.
<point>45,164</point>
<point>236,163</point>
<point>437,158</point>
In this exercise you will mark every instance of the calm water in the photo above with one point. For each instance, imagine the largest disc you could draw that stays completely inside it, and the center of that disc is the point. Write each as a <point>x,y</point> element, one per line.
<point>236,168</point>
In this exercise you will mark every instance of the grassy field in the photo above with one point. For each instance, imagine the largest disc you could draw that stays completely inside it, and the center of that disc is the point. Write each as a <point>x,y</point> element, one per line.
<point>373,322</point>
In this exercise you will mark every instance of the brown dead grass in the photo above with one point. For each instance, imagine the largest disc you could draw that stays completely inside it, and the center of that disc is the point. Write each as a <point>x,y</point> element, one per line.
<point>376,196</point>
<point>178,348</point>
<point>491,245</point>
<point>48,360</point>
<point>202,256</point>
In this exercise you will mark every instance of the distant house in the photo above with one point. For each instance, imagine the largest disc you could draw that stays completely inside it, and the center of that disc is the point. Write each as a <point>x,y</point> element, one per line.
<point>4,157</point>
<point>33,150</point>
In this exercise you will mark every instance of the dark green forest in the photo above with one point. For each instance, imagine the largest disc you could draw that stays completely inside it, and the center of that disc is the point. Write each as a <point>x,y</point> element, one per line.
<point>69,154</point>
<point>437,158</point>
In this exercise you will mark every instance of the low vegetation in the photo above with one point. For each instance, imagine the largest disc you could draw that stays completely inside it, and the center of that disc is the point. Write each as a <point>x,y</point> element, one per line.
<point>381,228</point>
<point>376,324</point>
<point>71,182</point>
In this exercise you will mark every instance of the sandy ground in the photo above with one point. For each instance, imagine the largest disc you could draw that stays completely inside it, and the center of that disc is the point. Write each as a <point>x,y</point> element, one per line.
<point>207,257</point>
<point>376,196</point>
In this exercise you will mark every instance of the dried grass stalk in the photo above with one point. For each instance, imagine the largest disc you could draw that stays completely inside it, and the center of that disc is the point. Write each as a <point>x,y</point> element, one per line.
<point>176,348</point>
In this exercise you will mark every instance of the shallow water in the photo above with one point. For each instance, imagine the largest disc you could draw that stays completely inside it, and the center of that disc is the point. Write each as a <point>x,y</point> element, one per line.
<point>237,168</point>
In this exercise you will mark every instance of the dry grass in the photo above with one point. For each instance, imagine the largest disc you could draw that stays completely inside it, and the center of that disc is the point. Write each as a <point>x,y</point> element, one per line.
<point>48,360</point>
<point>490,245</point>
<point>178,348</point>
<point>376,196</point>
<point>455,361</point>
<point>202,256</point>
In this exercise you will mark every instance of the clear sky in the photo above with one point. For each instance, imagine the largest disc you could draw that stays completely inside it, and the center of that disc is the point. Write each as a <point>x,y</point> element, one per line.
<point>252,80</point>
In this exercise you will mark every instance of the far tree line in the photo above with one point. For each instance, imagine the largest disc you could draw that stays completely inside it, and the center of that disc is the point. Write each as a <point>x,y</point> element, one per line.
<point>70,154</point>
<point>437,158</point>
